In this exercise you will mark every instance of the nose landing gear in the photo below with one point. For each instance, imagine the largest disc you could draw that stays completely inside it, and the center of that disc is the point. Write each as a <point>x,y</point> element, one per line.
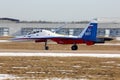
<point>46,47</point>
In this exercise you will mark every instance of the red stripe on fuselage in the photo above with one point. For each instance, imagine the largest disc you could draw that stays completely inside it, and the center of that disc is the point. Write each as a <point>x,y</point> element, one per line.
<point>68,41</point>
<point>40,40</point>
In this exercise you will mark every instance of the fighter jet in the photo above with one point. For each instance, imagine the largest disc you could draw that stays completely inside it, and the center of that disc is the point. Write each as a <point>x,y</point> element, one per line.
<point>87,36</point>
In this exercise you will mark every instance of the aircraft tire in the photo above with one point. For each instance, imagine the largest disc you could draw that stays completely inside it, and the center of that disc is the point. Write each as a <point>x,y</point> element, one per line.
<point>46,48</point>
<point>74,47</point>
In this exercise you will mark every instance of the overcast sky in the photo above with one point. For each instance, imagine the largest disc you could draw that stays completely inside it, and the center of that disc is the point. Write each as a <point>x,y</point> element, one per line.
<point>59,10</point>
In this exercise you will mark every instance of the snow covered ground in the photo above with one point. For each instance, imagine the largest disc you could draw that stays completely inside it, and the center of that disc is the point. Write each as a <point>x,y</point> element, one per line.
<point>7,76</point>
<point>5,41</point>
<point>111,44</point>
<point>107,55</point>
<point>101,55</point>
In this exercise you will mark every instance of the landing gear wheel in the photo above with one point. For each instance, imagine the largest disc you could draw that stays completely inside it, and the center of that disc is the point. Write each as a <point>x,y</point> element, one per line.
<point>74,47</point>
<point>46,48</point>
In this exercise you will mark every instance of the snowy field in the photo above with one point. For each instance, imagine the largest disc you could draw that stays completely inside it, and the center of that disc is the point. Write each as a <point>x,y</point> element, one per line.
<point>99,55</point>
<point>107,55</point>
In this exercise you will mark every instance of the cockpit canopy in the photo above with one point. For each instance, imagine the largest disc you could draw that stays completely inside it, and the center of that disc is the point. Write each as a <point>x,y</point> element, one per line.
<point>34,32</point>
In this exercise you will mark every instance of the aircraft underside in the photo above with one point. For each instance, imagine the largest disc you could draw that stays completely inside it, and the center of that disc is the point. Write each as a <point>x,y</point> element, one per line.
<point>66,41</point>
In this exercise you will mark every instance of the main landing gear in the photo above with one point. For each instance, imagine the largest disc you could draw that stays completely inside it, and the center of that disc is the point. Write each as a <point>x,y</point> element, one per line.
<point>74,47</point>
<point>46,47</point>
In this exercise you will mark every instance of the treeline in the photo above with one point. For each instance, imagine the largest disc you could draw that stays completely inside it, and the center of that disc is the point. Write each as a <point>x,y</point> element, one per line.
<point>73,22</point>
<point>18,21</point>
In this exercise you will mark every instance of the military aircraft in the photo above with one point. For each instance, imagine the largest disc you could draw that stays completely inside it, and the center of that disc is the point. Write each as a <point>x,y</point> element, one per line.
<point>87,36</point>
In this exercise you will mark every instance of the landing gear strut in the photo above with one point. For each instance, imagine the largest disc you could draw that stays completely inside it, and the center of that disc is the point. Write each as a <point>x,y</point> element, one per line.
<point>46,47</point>
<point>74,47</point>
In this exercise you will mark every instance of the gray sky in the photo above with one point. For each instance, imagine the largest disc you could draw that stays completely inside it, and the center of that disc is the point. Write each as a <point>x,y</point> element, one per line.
<point>59,10</point>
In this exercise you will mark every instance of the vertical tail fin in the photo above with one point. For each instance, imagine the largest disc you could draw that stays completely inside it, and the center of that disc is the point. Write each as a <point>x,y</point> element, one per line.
<point>90,32</point>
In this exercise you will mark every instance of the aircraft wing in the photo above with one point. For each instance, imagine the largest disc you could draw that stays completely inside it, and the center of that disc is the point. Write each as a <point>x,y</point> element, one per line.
<point>43,39</point>
<point>48,37</point>
<point>106,38</point>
